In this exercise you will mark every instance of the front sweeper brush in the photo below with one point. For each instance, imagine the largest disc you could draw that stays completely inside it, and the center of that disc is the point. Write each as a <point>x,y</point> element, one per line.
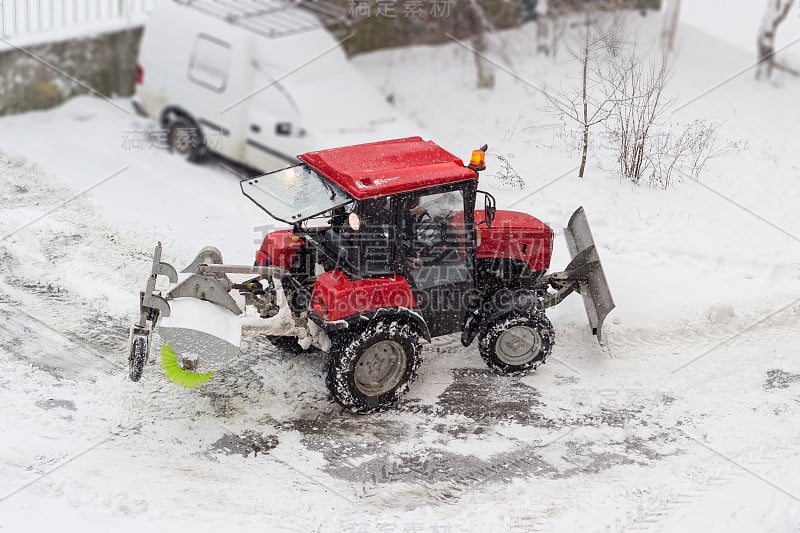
<point>176,374</point>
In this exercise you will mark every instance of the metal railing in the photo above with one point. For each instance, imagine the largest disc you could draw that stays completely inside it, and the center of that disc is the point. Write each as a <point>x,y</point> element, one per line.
<point>23,17</point>
<point>273,18</point>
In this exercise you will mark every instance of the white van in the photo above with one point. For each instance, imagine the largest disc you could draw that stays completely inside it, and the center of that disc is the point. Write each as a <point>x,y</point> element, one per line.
<point>263,78</point>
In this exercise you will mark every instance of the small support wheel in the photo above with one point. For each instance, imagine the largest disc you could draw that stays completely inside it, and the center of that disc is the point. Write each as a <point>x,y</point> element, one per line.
<point>517,343</point>
<point>137,357</point>
<point>371,368</point>
<point>185,139</point>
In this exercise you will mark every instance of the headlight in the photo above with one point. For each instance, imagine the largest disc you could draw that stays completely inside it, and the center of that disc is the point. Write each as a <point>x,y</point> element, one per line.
<point>354,221</point>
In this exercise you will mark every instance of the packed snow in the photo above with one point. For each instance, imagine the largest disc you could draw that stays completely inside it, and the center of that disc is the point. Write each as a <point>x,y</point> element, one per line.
<point>684,420</point>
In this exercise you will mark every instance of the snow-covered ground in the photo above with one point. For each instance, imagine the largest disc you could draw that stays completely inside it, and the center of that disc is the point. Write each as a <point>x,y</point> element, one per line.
<point>686,420</point>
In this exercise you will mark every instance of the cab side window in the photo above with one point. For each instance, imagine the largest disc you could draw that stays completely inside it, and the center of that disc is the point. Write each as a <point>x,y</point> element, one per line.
<point>434,229</point>
<point>378,235</point>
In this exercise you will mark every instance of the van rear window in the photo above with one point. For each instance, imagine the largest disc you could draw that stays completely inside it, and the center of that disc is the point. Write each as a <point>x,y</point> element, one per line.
<point>210,62</point>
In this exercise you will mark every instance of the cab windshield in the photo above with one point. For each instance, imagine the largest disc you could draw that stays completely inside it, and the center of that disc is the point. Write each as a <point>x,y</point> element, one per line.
<point>294,194</point>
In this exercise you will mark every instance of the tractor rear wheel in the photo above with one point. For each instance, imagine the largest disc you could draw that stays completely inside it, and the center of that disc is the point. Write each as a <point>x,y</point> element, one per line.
<point>374,366</point>
<point>517,343</point>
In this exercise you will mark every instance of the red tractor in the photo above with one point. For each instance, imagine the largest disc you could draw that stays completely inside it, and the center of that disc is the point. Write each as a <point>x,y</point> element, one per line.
<point>387,246</point>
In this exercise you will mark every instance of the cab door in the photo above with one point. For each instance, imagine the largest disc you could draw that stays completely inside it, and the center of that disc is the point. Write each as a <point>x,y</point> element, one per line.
<point>437,254</point>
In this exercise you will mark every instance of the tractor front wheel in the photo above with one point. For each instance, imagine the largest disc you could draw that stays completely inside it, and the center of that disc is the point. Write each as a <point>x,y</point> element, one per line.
<point>373,367</point>
<point>517,343</point>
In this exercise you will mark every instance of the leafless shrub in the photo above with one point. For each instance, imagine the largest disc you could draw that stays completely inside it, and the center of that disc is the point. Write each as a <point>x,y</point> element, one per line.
<point>646,144</point>
<point>506,177</point>
<point>635,84</point>
<point>672,156</point>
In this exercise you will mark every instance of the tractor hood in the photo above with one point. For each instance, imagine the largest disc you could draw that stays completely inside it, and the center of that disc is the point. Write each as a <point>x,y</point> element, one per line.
<point>517,236</point>
<point>513,223</point>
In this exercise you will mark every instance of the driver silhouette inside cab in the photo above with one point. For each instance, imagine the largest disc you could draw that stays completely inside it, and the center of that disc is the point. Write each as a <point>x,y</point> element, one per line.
<point>424,227</point>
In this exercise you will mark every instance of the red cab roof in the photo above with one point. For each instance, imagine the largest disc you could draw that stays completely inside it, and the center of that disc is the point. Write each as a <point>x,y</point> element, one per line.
<point>389,167</point>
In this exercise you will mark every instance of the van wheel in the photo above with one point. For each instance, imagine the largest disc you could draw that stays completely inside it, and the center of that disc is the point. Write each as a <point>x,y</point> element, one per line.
<point>373,367</point>
<point>185,139</point>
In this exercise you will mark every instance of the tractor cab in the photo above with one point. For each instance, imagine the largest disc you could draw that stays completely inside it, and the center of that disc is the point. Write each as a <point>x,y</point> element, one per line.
<point>408,214</point>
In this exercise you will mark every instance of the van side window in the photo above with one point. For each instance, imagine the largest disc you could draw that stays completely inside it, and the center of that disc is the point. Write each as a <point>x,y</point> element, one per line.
<point>210,62</point>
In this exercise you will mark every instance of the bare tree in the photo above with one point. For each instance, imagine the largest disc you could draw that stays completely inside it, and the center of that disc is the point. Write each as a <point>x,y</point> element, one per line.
<point>559,29</point>
<point>671,17</point>
<point>485,72</point>
<point>557,16</point>
<point>544,21</point>
<point>776,13</point>
<point>597,35</point>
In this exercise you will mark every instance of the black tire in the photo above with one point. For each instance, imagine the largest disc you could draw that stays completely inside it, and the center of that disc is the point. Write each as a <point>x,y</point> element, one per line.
<point>137,357</point>
<point>391,342</point>
<point>518,355</point>
<point>185,139</point>
<point>286,344</point>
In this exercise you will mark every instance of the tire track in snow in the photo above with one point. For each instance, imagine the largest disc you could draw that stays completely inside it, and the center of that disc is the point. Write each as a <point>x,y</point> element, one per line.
<point>650,507</point>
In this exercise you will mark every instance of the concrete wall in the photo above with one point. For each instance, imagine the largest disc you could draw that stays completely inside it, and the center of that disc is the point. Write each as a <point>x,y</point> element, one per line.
<point>105,62</point>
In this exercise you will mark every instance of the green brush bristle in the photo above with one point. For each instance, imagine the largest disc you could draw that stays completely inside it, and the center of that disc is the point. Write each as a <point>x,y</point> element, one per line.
<point>177,375</point>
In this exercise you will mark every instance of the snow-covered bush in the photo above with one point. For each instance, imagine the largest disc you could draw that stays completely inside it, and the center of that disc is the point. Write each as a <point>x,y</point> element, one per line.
<point>649,145</point>
<point>636,83</point>
<point>670,155</point>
